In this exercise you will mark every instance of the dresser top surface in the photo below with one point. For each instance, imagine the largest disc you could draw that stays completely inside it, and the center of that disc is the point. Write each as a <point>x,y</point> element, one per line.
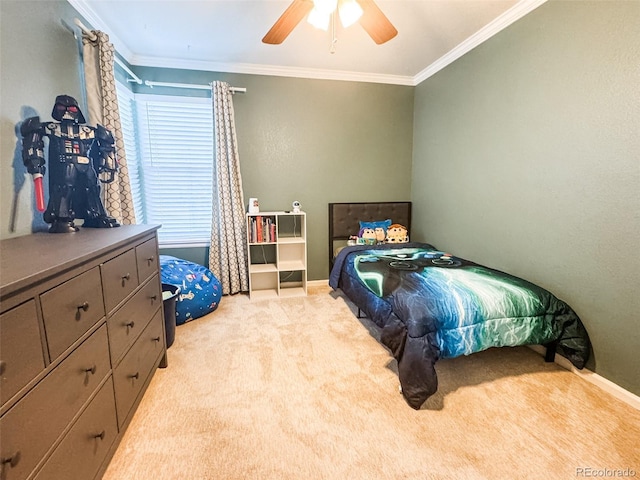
<point>32,258</point>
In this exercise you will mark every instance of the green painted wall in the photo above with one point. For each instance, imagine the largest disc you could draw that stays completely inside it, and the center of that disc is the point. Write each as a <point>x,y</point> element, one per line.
<point>527,159</point>
<point>314,141</point>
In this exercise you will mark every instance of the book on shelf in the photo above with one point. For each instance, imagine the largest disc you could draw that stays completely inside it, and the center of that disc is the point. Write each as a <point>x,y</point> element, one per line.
<point>259,229</point>
<point>262,229</point>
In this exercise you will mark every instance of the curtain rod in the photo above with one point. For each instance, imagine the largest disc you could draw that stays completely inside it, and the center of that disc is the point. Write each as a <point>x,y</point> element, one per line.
<point>135,78</point>
<point>149,83</point>
<point>124,66</point>
<point>85,29</point>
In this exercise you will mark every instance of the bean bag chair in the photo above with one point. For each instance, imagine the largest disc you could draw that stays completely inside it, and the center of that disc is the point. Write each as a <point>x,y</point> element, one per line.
<point>200,290</point>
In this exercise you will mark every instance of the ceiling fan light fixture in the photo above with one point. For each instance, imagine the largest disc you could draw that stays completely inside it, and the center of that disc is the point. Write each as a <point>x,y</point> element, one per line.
<point>326,7</point>
<point>319,19</point>
<point>322,13</point>
<point>350,12</point>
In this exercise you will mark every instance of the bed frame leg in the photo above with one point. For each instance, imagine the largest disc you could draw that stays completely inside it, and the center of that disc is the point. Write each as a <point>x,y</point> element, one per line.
<point>359,313</point>
<point>550,354</point>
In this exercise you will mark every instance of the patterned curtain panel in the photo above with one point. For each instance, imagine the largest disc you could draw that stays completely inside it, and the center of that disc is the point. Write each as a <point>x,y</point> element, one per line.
<point>102,102</point>
<point>228,252</point>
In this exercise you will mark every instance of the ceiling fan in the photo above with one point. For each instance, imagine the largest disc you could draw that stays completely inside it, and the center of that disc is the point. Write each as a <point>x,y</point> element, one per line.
<point>366,12</point>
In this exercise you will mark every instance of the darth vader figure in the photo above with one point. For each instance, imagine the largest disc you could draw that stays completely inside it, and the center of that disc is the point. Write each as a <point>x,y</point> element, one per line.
<point>78,155</point>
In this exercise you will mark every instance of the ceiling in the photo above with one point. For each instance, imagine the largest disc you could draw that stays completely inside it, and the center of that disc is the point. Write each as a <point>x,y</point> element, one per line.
<point>225,36</point>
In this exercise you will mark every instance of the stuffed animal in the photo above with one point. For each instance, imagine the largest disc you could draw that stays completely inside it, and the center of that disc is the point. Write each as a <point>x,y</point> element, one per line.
<point>381,234</point>
<point>368,235</point>
<point>376,231</point>
<point>397,234</point>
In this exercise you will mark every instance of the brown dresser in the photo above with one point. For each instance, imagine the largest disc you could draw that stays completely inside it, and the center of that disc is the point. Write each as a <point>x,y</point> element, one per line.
<point>81,335</point>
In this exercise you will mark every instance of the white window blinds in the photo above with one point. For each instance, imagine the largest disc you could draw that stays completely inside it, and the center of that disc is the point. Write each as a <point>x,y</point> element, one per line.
<point>174,143</point>
<point>126,105</point>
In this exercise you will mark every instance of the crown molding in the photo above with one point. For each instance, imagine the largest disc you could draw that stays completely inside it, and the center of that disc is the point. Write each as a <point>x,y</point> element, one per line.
<point>271,70</point>
<point>519,10</point>
<point>252,69</point>
<point>98,24</point>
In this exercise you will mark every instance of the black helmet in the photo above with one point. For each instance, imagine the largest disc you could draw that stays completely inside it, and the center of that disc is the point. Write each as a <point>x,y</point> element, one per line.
<point>67,108</point>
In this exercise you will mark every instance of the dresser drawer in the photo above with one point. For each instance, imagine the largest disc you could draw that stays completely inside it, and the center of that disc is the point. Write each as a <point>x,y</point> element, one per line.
<point>31,426</point>
<point>119,278</point>
<point>21,357</point>
<point>71,309</point>
<point>84,448</point>
<point>147,259</point>
<point>129,377</point>
<point>130,320</point>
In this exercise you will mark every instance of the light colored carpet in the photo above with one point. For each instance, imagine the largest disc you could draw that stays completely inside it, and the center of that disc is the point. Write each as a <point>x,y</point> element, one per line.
<point>300,389</point>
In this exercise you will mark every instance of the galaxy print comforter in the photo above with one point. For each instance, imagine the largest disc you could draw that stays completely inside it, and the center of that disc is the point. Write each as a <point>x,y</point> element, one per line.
<point>431,305</point>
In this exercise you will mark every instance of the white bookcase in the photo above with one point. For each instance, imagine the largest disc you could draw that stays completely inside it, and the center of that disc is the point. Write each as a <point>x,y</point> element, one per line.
<point>277,250</point>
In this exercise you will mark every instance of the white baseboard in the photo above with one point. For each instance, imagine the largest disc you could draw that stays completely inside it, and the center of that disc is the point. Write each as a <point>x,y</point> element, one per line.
<point>595,379</point>
<point>317,283</point>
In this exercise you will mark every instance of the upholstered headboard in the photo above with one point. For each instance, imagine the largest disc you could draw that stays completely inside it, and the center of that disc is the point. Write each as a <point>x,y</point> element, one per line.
<point>344,219</point>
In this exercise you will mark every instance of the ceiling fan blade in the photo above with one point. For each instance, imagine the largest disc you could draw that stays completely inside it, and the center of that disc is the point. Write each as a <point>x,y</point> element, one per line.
<point>288,21</point>
<point>375,23</point>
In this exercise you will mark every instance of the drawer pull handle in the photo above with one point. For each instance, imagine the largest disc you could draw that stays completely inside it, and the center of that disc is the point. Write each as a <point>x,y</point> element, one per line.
<point>135,375</point>
<point>153,297</point>
<point>130,324</point>
<point>3,367</point>
<point>84,307</point>
<point>150,260</point>
<point>100,435</point>
<point>12,460</point>
<point>91,370</point>
<point>126,277</point>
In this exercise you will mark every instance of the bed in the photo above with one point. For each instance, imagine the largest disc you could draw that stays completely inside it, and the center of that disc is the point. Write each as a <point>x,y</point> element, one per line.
<point>431,304</point>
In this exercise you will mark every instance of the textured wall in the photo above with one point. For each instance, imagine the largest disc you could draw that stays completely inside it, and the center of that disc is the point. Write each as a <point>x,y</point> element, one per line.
<point>526,158</point>
<point>315,141</point>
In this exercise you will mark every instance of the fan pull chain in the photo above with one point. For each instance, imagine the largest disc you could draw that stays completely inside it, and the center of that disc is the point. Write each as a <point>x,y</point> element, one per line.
<point>334,37</point>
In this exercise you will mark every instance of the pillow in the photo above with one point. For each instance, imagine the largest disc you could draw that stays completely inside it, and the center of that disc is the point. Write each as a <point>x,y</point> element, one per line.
<point>376,231</point>
<point>397,233</point>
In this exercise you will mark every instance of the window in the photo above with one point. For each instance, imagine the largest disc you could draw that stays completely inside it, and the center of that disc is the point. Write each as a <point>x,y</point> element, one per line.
<point>126,105</point>
<point>173,146</point>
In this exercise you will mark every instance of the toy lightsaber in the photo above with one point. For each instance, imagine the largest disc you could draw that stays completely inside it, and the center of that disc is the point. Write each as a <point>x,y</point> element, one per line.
<point>38,191</point>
